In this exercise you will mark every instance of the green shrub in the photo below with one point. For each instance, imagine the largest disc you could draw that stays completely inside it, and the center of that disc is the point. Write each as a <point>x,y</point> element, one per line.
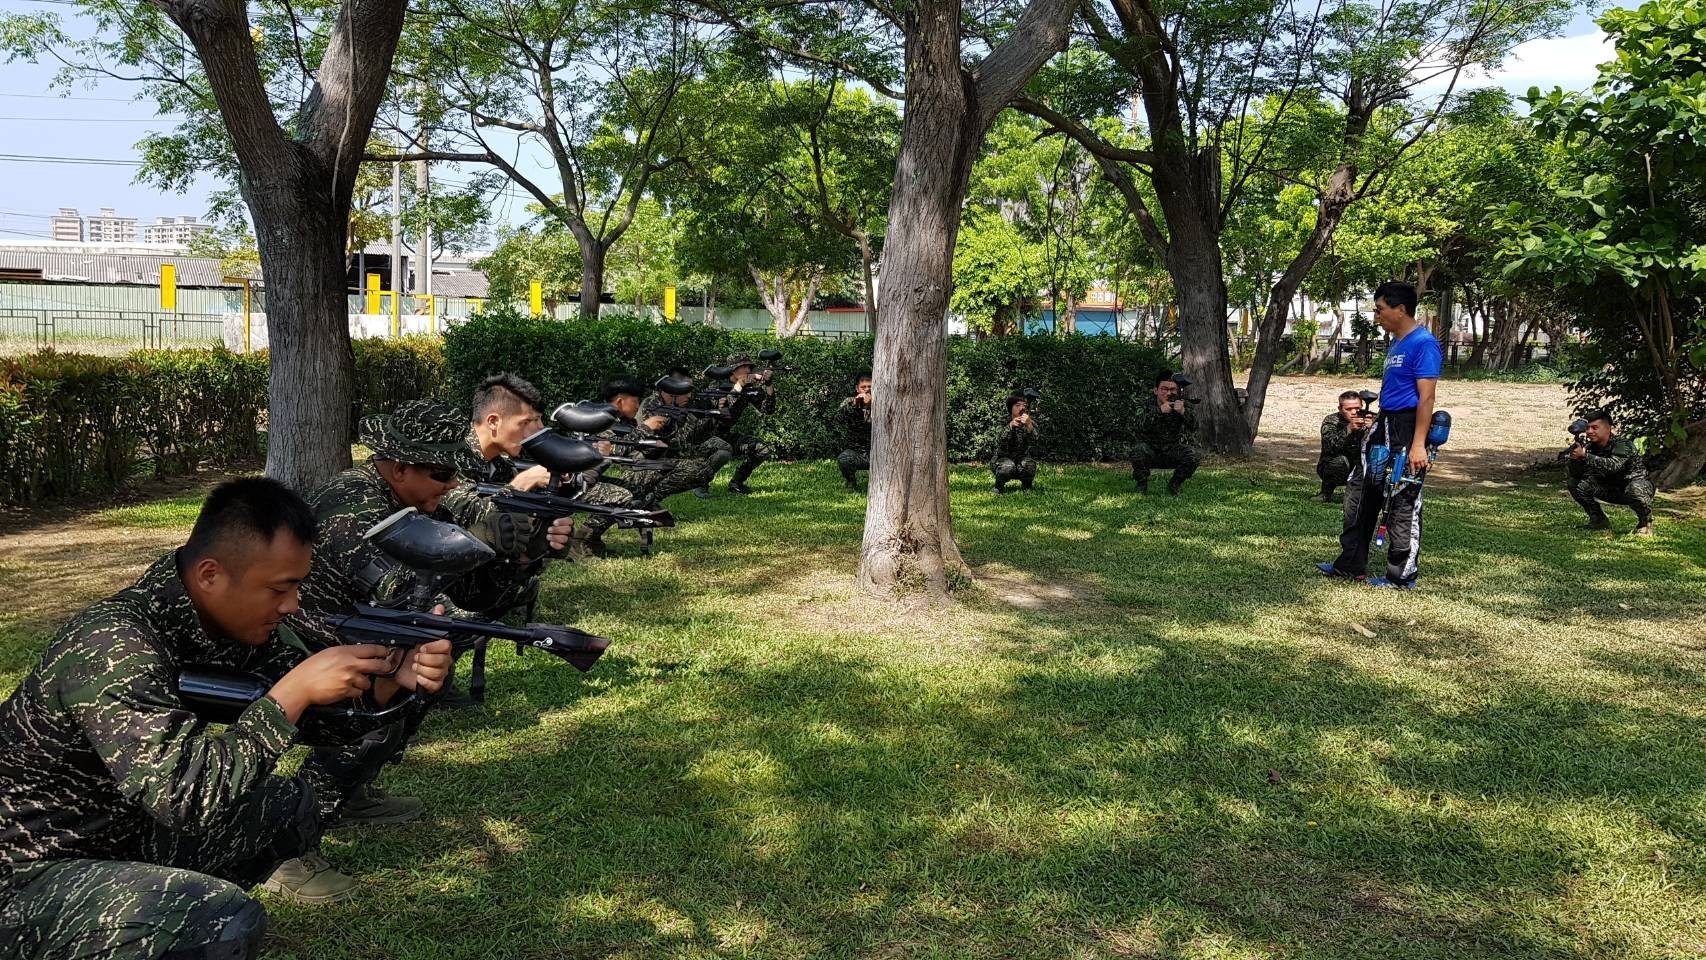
<point>200,406</point>
<point>1090,384</point>
<point>69,424</point>
<point>389,373</point>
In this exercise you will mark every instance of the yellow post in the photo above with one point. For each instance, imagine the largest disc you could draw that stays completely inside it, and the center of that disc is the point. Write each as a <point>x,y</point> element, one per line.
<point>396,314</point>
<point>432,312</point>
<point>475,304</point>
<point>669,304</point>
<point>168,286</point>
<point>536,297</point>
<point>372,293</point>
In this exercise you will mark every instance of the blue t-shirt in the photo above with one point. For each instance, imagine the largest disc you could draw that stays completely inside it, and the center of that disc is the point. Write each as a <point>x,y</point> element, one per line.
<point>1415,357</point>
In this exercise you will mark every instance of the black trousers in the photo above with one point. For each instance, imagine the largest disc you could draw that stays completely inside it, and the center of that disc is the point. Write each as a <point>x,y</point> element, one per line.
<point>1365,505</point>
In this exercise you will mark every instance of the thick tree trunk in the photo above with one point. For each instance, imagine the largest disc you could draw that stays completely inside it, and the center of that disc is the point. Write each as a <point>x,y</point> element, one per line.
<point>592,275</point>
<point>1688,460</point>
<point>310,396</point>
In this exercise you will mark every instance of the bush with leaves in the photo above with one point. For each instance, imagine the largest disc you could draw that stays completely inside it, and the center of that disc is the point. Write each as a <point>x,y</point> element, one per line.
<point>1090,385</point>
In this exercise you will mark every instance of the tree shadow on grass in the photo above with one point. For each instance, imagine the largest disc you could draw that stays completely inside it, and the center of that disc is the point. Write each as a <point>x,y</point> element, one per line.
<point>829,805</point>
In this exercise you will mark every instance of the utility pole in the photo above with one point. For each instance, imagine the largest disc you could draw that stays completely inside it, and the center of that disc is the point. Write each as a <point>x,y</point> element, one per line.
<point>399,278</point>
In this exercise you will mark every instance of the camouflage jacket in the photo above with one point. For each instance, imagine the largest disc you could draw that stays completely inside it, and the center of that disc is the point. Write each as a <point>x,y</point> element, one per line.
<point>763,403</point>
<point>1158,429</point>
<point>1014,443</point>
<point>854,420</point>
<point>1338,440</point>
<point>683,432</point>
<point>97,752</point>
<point>347,569</point>
<point>1616,462</point>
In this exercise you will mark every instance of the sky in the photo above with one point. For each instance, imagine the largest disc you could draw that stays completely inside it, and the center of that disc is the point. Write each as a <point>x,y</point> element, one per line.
<point>102,123</point>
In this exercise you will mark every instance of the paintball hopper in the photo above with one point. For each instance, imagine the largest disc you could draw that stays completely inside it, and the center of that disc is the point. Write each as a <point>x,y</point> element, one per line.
<point>1368,397</point>
<point>719,373</point>
<point>559,454</point>
<point>1439,429</point>
<point>421,543</point>
<point>1031,395</point>
<point>771,355</point>
<point>1578,426</point>
<point>583,419</point>
<point>673,384</point>
<point>1184,383</point>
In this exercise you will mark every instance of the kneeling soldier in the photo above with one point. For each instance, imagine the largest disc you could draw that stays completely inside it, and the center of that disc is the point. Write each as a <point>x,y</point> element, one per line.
<point>128,827</point>
<point>750,390</point>
<point>1166,430</point>
<point>853,417</point>
<point>1012,451</point>
<point>1607,469</point>
<point>1341,443</point>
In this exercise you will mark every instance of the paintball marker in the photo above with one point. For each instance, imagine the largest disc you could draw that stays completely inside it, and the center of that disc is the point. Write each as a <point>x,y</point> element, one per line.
<point>221,694</point>
<point>1033,399</point>
<point>584,421</point>
<point>679,386</point>
<point>563,457</point>
<point>1578,437</point>
<point>1439,431</point>
<point>1184,383</point>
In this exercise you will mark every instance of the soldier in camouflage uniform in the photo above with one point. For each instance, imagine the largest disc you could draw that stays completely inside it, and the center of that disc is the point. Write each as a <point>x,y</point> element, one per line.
<point>418,453</point>
<point>1341,444</point>
<point>1012,459</point>
<point>1607,469</point>
<point>853,418</point>
<point>1166,433</point>
<point>128,827</point>
<point>686,434</point>
<point>756,393</point>
<point>622,394</point>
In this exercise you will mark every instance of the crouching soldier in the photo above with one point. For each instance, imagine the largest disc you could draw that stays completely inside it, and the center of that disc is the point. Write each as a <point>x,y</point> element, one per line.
<point>1012,450</point>
<point>853,417</point>
<point>1166,431</point>
<point>1606,468</point>
<point>128,826</point>
<point>1341,443</point>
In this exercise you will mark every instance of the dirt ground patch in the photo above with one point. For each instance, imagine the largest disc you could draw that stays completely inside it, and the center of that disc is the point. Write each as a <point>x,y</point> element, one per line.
<point>1498,430</point>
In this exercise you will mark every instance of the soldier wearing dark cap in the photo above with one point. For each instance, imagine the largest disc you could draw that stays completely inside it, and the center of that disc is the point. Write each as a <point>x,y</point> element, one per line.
<point>853,417</point>
<point>1606,469</point>
<point>130,828</point>
<point>1012,460</point>
<point>419,453</point>
<point>755,392</point>
<point>1166,435</point>
<point>686,434</point>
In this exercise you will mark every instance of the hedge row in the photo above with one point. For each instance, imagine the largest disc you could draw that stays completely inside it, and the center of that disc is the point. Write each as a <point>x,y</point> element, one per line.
<point>1089,384</point>
<point>72,424</point>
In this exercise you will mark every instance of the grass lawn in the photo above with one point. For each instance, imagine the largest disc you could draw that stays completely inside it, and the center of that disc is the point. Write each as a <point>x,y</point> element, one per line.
<point>1150,731</point>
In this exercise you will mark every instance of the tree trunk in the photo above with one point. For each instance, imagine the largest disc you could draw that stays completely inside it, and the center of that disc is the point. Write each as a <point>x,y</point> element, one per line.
<point>870,284</point>
<point>773,291</point>
<point>1687,462</point>
<point>311,395</point>
<point>592,274</point>
<point>1447,314</point>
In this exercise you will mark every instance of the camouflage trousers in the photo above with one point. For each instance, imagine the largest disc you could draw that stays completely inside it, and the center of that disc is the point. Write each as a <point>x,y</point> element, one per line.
<point>654,488</point>
<point>1590,492</point>
<point>1179,458</point>
<point>1334,472</point>
<point>749,451</point>
<point>1007,470</point>
<point>187,895</point>
<point>851,462</point>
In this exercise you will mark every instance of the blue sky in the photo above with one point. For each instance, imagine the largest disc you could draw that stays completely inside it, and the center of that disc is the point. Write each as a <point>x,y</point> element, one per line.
<point>102,122</point>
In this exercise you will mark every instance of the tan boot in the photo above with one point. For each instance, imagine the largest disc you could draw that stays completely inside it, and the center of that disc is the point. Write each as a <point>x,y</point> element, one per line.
<point>310,879</point>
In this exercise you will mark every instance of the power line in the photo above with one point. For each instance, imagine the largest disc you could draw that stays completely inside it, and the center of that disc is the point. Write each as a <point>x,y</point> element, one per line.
<point>91,161</point>
<point>55,96</point>
<point>26,233</point>
<point>98,119</point>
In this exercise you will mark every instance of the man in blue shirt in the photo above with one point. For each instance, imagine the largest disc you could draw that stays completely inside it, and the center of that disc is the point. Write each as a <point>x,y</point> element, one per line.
<point>1406,410</point>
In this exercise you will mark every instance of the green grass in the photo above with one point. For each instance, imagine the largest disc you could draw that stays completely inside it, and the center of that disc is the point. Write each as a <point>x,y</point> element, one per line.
<point>1151,731</point>
<point>163,514</point>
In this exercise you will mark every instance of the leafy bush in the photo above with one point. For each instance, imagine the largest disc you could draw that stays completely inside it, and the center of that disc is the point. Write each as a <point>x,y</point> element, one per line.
<point>1090,384</point>
<point>68,424</point>
<point>200,406</point>
<point>389,373</point>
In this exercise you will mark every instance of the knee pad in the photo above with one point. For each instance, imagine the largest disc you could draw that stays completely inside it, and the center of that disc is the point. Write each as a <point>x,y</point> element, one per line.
<point>239,939</point>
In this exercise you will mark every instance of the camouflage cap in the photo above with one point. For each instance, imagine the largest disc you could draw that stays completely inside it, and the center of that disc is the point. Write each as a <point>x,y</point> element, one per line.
<point>738,360</point>
<point>422,432</point>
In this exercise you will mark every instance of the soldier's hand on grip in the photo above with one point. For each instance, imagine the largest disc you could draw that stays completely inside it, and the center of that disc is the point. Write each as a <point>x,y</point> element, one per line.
<point>330,676</point>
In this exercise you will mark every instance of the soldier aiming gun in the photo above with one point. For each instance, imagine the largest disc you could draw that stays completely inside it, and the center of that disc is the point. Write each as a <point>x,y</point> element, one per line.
<point>853,418</point>
<point>1342,434</point>
<point>739,386</point>
<point>1604,468</point>
<point>1166,434</point>
<point>1012,460</point>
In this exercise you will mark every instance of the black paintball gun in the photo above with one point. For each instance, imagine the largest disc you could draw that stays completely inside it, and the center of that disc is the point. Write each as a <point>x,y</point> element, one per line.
<point>565,458</point>
<point>1183,383</point>
<point>1365,416</point>
<point>681,387</point>
<point>1578,437</point>
<point>437,553</point>
<point>584,421</point>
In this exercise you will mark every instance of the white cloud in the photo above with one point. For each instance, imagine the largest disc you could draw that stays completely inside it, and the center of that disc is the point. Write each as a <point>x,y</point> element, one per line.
<point>1568,62</point>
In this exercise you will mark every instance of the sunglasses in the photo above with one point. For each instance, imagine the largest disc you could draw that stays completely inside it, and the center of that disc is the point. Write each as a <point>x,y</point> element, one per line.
<point>438,474</point>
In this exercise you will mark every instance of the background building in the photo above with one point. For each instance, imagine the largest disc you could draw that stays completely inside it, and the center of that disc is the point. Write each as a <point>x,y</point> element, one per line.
<point>68,225</point>
<point>174,230</point>
<point>109,227</point>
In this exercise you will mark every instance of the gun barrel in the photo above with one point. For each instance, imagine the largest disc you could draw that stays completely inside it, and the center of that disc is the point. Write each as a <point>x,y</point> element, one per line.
<point>553,506</point>
<point>409,628</point>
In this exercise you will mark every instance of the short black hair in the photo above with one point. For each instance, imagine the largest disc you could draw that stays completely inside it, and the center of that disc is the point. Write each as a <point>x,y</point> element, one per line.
<point>620,386</point>
<point>1397,293</point>
<point>861,377</point>
<point>1013,398</point>
<point>1600,413</point>
<point>247,512</point>
<point>1164,376</point>
<point>503,393</point>
<point>1349,395</point>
